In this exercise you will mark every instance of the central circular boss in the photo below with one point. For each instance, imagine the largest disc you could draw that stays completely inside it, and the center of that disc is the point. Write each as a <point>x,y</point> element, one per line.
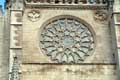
<point>67,40</point>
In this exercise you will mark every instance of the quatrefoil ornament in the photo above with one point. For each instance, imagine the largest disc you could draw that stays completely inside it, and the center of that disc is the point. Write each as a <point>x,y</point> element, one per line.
<point>34,15</point>
<point>66,40</point>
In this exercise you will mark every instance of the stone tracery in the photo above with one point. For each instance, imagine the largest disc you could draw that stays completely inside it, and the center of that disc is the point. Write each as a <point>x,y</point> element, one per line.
<point>67,40</point>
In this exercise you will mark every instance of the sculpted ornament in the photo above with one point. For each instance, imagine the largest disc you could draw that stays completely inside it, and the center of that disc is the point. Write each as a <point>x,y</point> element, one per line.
<point>100,16</point>
<point>34,15</point>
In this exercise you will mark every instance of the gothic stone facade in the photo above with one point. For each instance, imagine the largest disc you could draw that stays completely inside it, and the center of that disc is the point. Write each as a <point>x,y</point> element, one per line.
<point>62,40</point>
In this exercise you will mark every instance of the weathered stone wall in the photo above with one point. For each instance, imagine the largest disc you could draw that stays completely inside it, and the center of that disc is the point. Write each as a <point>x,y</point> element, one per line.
<point>68,72</point>
<point>1,47</point>
<point>101,64</point>
<point>3,55</point>
<point>31,33</point>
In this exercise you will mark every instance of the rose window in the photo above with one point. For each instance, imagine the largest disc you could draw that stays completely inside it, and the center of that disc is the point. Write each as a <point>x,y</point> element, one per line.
<point>67,40</point>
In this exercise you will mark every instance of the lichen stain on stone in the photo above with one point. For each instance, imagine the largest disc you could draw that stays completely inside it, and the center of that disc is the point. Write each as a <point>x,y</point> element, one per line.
<point>93,70</point>
<point>47,68</point>
<point>68,70</point>
<point>83,71</point>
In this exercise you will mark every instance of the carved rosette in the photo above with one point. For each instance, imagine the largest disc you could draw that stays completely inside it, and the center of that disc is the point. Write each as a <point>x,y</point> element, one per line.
<point>100,16</point>
<point>33,15</point>
<point>67,40</point>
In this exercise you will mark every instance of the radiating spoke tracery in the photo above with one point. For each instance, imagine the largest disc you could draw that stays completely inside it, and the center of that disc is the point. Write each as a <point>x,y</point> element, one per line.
<point>67,40</point>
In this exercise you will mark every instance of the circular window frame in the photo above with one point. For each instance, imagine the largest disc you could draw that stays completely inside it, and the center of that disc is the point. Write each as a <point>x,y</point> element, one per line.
<point>47,22</point>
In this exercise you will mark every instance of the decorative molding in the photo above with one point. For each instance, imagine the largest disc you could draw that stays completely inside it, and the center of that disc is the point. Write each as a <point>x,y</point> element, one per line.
<point>16,37</point>
<point>16,18</point>
<point>15,50</point>
<point>15,69</point>
<point>14,64</point>
<point>91,7</point>
<point>34,15</point>
<point>117,18</point>
<point>67,4</point>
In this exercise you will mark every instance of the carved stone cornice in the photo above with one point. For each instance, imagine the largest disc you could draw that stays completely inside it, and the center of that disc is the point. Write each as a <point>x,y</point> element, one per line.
<point>66,5</point>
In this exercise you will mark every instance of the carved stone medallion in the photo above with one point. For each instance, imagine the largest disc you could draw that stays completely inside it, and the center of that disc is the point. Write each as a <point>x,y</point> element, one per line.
<point>66,40</point>
<point>100,16</point>
<point>34,15</point>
